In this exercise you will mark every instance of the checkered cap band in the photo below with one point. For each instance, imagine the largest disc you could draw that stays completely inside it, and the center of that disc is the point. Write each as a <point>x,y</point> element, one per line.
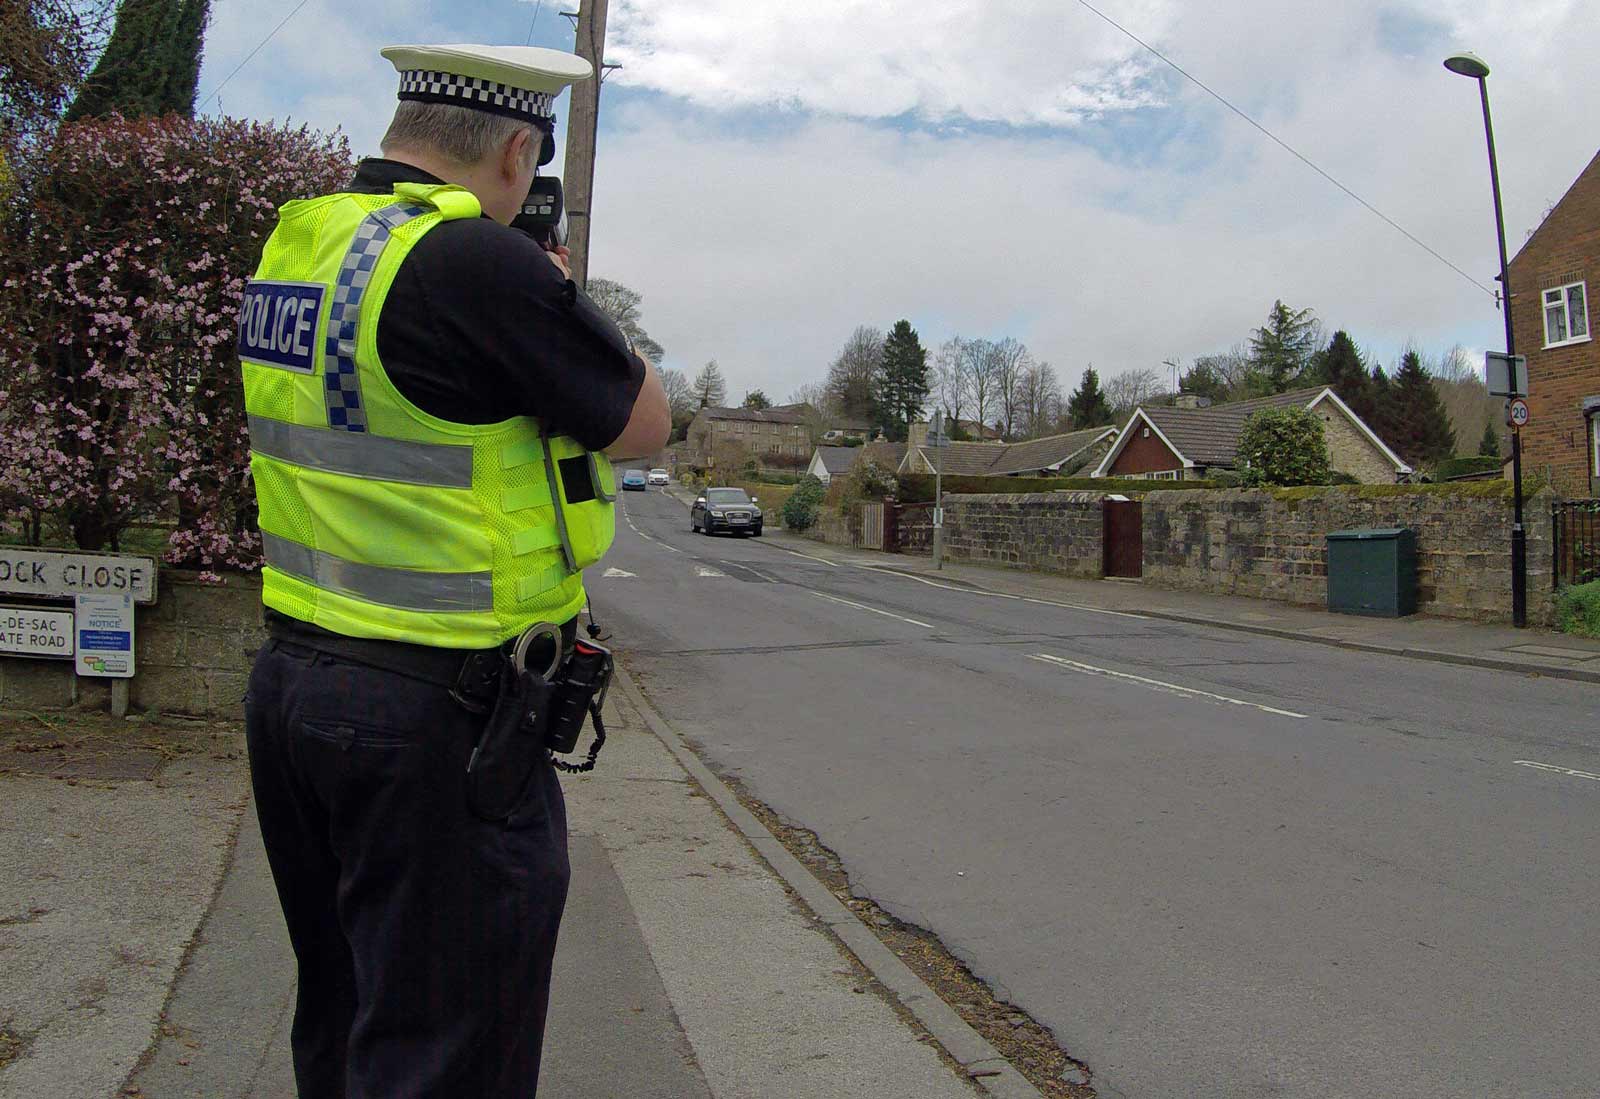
<point>469,91</point>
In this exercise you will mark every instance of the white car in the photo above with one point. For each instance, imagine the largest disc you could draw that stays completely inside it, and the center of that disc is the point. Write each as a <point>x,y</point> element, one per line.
<point>659,477</point>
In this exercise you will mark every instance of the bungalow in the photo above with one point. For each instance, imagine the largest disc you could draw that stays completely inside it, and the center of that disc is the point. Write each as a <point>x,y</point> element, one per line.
<point>1187,442</point>
<point>1050,456</point>
<point>828,462</point>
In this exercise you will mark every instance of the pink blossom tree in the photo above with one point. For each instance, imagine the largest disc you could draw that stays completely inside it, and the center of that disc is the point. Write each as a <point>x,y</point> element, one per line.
<point>122,260</point>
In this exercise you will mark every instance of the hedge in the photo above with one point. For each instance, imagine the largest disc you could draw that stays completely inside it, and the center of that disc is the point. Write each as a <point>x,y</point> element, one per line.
<point>1461,467</point>
<point>1578,609</point>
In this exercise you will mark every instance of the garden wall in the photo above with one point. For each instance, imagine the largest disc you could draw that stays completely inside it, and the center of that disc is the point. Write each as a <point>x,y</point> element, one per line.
<point>1266,544</point>
<point>193,651</point>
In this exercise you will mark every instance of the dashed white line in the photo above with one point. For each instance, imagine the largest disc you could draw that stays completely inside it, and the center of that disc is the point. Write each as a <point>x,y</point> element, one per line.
<point>999,594</point>
<point>874,610</point>
<point>807,556</point>
<point>629,520</point>
<point>706,570</point>
<point>1557,770</point>
<point>618,574</point>
<point>1158,684</point>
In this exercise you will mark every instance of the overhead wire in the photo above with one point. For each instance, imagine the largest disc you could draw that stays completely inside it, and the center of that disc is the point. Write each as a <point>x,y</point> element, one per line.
<point>534,22</point>
<point>259,46</point>
<point>1290,149</point>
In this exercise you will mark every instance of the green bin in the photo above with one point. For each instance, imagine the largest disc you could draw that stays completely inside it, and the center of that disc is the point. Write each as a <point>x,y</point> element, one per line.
<point>1373,572</point>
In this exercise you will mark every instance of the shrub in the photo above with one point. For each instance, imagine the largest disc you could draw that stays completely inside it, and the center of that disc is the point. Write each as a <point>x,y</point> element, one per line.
<point>121,400</point>
<point>800,509</point>
<point>1284,446</point>
<point>1578,609</point>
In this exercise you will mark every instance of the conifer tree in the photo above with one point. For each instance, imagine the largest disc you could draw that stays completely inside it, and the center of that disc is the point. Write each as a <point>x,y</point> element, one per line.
<point>710,388</point>
<point>1340,367</point>
<point>903,382</point>
<point>151,65</point>
<point>1422,431</point>
<point>1489,445</point>
<point>1281,349</point>
<point>1088,406</point>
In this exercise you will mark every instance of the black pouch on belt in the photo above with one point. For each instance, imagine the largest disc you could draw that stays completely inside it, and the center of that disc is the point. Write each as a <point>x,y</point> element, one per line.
<point>512,745</point>
<point>585,675</point>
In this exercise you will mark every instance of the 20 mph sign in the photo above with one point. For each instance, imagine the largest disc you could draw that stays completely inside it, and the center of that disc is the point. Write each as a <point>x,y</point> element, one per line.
<point>1517,413</point>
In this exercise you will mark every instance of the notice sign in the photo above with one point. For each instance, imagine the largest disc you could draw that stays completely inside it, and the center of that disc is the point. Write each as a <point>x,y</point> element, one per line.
<point>34,631</point>
<point>105,635</point>
<point>56,574</point>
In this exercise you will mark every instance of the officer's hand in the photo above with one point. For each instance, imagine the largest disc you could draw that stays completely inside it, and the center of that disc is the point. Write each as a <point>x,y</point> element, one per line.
<point>561,256</point>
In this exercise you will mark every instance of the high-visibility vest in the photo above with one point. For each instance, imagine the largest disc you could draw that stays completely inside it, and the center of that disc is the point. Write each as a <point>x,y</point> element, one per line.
<point>377,519</point>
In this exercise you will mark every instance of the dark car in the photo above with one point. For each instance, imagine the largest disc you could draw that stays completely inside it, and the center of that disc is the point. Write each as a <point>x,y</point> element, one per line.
<point>633,480</point>
<point>728,509</point>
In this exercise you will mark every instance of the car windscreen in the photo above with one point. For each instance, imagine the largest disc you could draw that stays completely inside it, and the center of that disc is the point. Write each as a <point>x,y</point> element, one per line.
<point>726,496</point>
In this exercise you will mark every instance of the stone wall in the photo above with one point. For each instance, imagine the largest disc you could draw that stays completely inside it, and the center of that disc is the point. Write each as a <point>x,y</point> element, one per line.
<point>1349,451</point>
<point>194,648</point>
<point>833,526</point>
<point>1260,544</point>
<point>1057,532</point>
<point>1275,546</point>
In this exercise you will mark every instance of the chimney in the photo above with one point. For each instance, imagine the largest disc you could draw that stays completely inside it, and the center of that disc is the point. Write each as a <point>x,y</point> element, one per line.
<point>917,433</point>
<point>1191,400</point>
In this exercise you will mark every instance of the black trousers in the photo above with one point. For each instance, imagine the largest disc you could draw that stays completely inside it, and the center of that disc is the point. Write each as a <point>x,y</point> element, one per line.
<point>424,935</point>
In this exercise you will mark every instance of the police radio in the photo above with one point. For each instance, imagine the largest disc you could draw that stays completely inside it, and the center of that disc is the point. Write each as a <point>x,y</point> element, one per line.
<point>543,216</point>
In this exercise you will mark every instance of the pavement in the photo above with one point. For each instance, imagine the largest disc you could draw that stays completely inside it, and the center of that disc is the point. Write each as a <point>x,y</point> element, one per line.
<point>1216,847</point>
<point>145,955</point>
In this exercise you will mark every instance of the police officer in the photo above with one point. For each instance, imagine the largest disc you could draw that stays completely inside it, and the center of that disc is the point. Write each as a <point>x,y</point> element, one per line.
<point>431,402</point>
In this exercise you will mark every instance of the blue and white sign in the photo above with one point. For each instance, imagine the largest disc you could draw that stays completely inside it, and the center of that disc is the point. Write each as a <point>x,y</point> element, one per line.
<point>104,625</point>
<point>278,323</point>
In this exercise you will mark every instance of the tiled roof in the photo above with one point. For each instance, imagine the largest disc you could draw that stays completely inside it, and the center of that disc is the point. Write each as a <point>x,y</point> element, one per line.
<point>1048,452</point>
<point>785,414</point>
<point>962,459</point>
<point>1210,436</point>
<point>838,459</point>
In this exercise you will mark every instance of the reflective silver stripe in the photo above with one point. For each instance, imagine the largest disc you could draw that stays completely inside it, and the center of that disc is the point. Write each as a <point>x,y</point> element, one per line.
<point>560,498</point>
<point>406,589</point>
<point>362,454</point>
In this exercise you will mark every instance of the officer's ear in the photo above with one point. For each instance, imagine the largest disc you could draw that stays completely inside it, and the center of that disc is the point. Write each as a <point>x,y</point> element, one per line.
<point>519,155</point>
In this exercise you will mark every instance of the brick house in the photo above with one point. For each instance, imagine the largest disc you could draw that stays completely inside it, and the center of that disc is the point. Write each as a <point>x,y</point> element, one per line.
<point>766,432</point>
<point>1187,442</point>
<point>1552,322</point>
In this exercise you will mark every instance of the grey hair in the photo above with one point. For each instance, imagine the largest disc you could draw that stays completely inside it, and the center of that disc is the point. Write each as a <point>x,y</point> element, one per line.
<point>459,134</point>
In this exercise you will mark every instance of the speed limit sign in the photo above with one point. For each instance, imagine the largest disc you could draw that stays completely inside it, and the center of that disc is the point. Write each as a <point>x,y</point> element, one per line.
<point>1517,413</point>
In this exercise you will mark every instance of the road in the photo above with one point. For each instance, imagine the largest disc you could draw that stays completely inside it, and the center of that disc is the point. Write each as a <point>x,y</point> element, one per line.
<point>1214,864</point>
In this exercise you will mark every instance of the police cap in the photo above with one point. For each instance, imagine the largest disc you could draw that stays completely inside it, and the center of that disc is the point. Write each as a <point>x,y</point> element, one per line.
<point>518,81</point>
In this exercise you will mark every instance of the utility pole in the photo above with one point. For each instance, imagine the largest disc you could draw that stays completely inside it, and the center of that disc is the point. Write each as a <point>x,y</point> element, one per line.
<point>582,127</point>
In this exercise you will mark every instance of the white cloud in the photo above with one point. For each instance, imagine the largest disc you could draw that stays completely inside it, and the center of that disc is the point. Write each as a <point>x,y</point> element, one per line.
<point>1025,62</point>
<point>949,162</point>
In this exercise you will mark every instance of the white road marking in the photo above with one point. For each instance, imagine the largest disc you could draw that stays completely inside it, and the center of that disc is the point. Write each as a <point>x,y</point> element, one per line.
<point>629,520</point>
<point>705,570</point>
<point>615,574</point>
<point>999,594</point>
<point>874,610</point>
<point>748,568</point>
<point>1557,770</point>
<point>807,556</point>
<point>1090,669</point>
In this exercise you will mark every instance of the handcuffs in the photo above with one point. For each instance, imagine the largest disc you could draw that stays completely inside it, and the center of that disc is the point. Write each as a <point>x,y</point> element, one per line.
<point>536,714</point>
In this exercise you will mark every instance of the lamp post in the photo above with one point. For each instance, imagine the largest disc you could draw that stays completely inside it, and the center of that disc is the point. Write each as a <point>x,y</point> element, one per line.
<point>1473,66</point>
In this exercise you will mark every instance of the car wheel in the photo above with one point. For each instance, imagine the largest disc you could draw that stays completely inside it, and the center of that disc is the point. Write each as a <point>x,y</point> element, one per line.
<point>756,533</point>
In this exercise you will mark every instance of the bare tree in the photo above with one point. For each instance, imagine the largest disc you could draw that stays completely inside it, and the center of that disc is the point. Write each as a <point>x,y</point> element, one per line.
<point>1039,399</point>
<point>622,304</point>
<point>977,369</point>
<point>1132,388</point>
<point>952,390</point>
<point>853,374</point>
<point>680,394</point>
<point>1008,358</point>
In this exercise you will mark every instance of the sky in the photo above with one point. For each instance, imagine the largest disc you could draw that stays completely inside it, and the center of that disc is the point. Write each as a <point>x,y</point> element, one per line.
<point>771,175</point>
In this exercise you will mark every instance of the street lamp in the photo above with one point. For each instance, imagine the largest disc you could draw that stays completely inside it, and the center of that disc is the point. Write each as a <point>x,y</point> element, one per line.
<point>1473,66</point>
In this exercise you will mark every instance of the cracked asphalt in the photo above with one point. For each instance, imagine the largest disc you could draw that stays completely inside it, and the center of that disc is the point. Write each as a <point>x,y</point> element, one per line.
<point>1213,864</point>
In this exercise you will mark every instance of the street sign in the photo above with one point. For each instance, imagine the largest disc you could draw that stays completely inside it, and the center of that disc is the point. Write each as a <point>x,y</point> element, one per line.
<point>939,439</point>
<point>1517,414</point>
<point>63,574</point>
<point>36,631</point>
<point>1507,375</point>
<point>938,517</point>
<point>105,635</point>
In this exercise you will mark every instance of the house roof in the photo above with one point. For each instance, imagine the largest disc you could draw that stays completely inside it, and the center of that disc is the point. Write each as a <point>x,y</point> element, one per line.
<point>1557,213</point>
<point>1210,436</point>
<point>838,459</point>
<point>1000,459</point>
<point>1050,452</point>
<point>782,414</point>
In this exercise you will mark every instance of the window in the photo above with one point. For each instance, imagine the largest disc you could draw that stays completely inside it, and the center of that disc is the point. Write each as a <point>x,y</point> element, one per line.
<point>1594,441</point>
<point>1162,475</point>
<point>1566,315</point>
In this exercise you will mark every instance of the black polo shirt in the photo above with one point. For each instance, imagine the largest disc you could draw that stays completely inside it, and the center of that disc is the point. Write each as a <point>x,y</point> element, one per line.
<point>480,326</point>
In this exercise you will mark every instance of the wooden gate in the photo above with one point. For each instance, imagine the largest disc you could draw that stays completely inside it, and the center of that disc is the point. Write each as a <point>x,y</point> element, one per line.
<point>872,516</point>
<point>1124,538</point>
